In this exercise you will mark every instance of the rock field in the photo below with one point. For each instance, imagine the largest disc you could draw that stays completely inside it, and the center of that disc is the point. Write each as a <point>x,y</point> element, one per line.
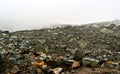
<point>86,49</point>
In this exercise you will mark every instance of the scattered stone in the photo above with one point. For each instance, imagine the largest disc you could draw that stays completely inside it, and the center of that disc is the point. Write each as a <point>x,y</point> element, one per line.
<point>61,49</point>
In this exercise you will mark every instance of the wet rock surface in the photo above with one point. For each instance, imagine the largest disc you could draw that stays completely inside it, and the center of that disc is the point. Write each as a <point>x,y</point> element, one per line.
<point>86,49</point>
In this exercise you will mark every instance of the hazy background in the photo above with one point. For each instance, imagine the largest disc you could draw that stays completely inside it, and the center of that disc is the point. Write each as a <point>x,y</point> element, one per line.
<point>31,14</point>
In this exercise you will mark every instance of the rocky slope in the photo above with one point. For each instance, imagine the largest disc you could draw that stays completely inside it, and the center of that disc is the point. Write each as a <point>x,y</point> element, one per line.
<point>88,49</point>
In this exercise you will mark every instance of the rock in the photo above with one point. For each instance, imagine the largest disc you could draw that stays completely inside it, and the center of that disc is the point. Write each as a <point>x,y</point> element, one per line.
<point>33,69</point>
<point>13,37</point>
<point>79,54</point>
<point>111,65</point>
<point>1,58</point>
<point>59,58</point>
<point>112,26</point>
<point>18,56</point>
<point>42,57</point>
<point>49,57</point>
<point>104,56</point>
<point>57,70</point>
<point>38,64</point>
<point>44,67</point>
<point>90,62</point>
<point>26,56</point>
<point>75,65</point>
<point>106,31</point>
<point>39,71</point>
<point>77,58</point>
<point>70,61</point>
<point>118,53</point>
<point>42,41</point>
<point>7,71</point>
<point>3,51</point>
<point>83,43</point>
<point>118,43</point>
<point>15,69</point>
<point>1,64</point>
<point>66,65</point>
<point>12,59</point>
<point>1,47</point>
<point>25,51</point>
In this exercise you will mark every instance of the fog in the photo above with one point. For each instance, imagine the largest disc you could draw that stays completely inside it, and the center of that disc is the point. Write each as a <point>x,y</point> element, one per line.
<point>34,14</point>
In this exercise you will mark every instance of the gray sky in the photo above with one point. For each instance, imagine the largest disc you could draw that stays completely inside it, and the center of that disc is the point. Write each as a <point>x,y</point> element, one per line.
<point>31,14</point>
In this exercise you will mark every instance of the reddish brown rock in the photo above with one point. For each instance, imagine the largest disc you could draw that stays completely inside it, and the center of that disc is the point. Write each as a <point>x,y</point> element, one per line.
<point>75,65</point>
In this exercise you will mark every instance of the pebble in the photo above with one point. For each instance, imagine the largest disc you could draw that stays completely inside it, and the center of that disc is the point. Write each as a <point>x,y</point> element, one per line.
<point>15,69</point>
<point>75,64</point>
<point>57,70</point>
<point>39,71</point>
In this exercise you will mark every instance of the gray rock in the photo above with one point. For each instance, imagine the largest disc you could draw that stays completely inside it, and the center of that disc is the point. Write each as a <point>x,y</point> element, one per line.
<point>106,31</point>
<point>90,62</point>
<point>13,37</point>
<point>42,41</point>
<point>43,57</point>
<point>2,51</point>
<point>12,59</point>
<point>26,56</point>
<point>83,43</point>
<point>104,56</point>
